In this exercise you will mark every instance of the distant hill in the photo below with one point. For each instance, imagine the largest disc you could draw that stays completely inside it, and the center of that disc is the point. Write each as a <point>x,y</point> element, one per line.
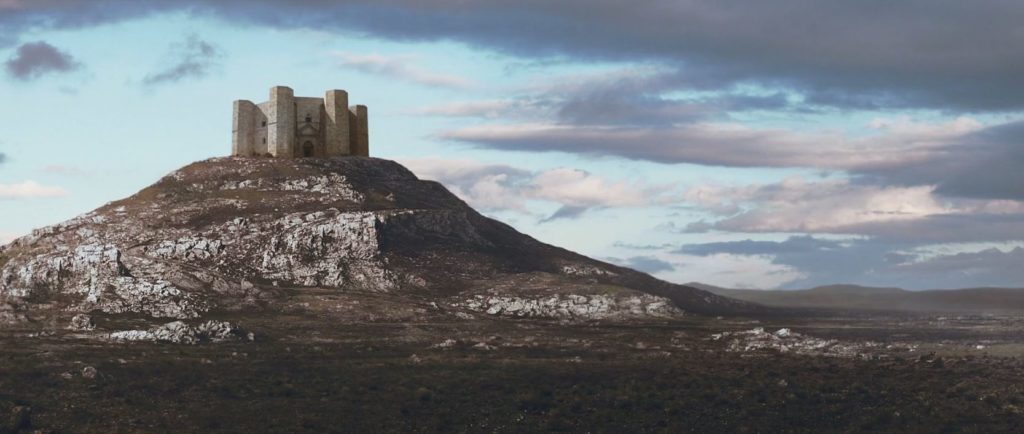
<point>968,300</point>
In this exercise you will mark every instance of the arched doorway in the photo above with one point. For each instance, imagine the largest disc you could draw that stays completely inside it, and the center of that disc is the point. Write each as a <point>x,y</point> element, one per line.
<point>307,149</point>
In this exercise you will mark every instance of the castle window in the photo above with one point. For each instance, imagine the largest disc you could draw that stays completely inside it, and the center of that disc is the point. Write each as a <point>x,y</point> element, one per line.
<point>309,118</point>
<point>264,140</point>
<point>264,124</point>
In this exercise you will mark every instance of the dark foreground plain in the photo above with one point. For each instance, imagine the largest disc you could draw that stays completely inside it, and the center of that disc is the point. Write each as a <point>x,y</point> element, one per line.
<point>309,372</point>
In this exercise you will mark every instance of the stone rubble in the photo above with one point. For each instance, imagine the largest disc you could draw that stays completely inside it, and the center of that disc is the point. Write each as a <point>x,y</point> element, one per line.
<point>573,306</point>
<point>585,270</point>
<point>178,332</point>
<point>786,341</point>
<point>82,323</point>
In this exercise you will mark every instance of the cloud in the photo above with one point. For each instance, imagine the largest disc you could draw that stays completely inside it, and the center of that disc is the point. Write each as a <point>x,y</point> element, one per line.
<point>36,59</point>
<point>839,206</point>
<point>795,205</point>
<point>30,190</point>
<point>3,158</point>
<point>400,67</point>
<point>501,187</point>
<point>959,157</point>
<point>875,262</point>
<point>647,264</point>
<point>192,59</point>
<point>981,163</point>
<point>485,186</point>
<point>568,212</point>
<point>730,144</point>
<point>487,109</point>
<point>834,52</point>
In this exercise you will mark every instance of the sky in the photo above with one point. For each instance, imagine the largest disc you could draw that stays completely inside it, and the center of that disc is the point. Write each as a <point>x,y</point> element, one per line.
<point>746,144</point>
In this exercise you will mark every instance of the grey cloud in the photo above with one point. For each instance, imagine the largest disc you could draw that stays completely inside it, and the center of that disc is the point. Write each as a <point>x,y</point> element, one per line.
<point>647,264</point>
<point>628,98</point>
<point>798,244</point>
<point>997,267</point>
<point>952,228</point>
<point>915,53</point>
<point>3,158</point>
<point>637,98</point>
<point>985,164</point>
<point>875,262</point>
<point>566,212</point>
<point>912,215</point>
<point>632,246</point>
<point>822,261</point>
<point>192,59</point>
<point>401,68</point>
<point>35,59</point>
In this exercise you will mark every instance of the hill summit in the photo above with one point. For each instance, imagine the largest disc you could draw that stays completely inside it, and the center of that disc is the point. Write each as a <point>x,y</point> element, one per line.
<point>230,235</point>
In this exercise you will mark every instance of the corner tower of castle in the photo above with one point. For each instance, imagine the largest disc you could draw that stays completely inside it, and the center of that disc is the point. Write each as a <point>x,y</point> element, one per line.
<point>287,126</point>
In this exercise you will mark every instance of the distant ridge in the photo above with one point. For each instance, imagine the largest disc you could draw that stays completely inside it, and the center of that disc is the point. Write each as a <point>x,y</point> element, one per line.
<point>856,297</point>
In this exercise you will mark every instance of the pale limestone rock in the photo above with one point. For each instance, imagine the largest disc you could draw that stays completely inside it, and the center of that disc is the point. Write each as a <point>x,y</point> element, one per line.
<point>178,332</point>
<point>81,322</point>
<point>573,306</point>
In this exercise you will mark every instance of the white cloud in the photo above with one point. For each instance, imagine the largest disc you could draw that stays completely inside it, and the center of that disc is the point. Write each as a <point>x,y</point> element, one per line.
<point>731,271</point>
<point>503,187</point>
<point>840,206</point>
<point>574,187</point>
<point>400,67</point>
<point>797,205</point>
<point>29,189</point>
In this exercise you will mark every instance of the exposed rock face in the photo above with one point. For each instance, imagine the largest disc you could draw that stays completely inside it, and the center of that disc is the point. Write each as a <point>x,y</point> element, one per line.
<point>219,234</point>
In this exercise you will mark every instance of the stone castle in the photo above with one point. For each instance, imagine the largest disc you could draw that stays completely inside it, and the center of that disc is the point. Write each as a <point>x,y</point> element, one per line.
<point>297,127</point>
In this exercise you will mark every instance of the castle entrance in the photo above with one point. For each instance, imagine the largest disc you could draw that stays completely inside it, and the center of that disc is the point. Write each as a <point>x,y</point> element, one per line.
<point>307,149</point>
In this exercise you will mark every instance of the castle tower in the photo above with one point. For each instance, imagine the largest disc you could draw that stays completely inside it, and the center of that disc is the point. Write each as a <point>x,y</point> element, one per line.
<point>359,136</point>
<point>243,128</point>
<point>287,126</point>
<point>281,122</point>
<point>336,123</point>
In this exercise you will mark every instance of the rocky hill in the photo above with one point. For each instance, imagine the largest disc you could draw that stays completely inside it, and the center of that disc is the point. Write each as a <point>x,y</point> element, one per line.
<point>228,236</point>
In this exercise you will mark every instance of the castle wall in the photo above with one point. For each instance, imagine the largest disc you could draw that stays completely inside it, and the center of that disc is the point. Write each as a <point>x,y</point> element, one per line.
<point>260,129</point>
<point>243,119</point>
<point>281,122</point>
<point>336,123</point>
<point>359,135</point>
<point>309,132</point>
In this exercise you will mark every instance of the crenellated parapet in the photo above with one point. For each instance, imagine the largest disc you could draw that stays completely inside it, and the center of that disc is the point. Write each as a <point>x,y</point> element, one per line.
<point>287,126</point>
